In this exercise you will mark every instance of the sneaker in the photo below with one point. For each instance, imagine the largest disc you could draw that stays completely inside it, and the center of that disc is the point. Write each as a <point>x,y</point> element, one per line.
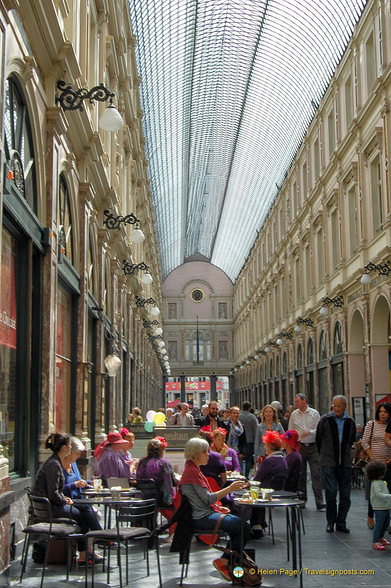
<point>384,542</point>
<point>224,569</point>
<point>378,546</point>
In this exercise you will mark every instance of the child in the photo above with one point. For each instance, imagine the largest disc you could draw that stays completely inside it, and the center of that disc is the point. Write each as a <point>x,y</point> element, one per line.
<point>381,502</point>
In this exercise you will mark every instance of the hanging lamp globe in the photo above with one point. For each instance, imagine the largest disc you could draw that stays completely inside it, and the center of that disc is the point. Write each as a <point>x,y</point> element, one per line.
<point>111,120</point>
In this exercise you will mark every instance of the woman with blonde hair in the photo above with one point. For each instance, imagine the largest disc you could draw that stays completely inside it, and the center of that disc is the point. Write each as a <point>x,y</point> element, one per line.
<point>269,422</point>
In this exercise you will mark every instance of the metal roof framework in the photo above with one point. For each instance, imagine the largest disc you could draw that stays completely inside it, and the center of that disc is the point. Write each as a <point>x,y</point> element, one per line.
<point>228,89</point>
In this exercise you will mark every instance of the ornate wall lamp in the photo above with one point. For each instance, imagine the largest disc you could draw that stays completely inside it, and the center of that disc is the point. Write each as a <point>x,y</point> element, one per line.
<point>337,302</point>
<point>308,322</point>
<point>141,302</point>
<point>71,99</point>
<point>114,222</point>
<point>132,268</point>
<point>285,335</point>
<point>112,361</point>
<point>383,269</point>
<point>148,324</point>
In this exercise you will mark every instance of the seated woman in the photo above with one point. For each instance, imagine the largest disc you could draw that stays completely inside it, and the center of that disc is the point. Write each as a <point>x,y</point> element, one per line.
<point>215,467</point>
<point>137,418</point>
<point>49,483</point>
<point>109,463</point>
<point>154,466</point>
<point>196,488</point>
<point>290,442</point>
<point>229,455</point>
<point>125,451</point>
<point>272,473</point>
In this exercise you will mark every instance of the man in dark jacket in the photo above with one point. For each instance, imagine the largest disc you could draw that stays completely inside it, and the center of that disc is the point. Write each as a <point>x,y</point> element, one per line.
<point>334,438</point>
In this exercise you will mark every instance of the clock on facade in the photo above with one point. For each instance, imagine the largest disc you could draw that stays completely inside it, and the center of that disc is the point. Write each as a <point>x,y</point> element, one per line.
<point>197,295</point>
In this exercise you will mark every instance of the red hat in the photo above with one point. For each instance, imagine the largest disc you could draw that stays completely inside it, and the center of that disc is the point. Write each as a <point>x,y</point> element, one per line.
<point>114,439</point>
<point>162,440</point>
<point>124,432</point>
<point>292,438</point>
<point>272,438</point>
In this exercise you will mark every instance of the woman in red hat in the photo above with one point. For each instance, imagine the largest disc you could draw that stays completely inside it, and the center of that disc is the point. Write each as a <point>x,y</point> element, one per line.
<point>291,444</point>
<point>110,463</point>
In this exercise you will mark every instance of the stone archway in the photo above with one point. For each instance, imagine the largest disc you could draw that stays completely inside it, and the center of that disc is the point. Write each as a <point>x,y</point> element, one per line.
<point>356,364</point>
<point>380,349</point>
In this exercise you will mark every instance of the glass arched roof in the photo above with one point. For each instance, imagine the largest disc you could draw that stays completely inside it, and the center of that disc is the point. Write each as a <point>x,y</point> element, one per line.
<point>228,89</point>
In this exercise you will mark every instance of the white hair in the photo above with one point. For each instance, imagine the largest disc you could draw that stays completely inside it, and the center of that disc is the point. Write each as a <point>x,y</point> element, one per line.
<point>76,445</point>
<point>194,447</point>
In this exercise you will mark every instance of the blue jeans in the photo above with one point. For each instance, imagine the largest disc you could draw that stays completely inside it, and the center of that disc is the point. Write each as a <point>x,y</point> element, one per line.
<point>230,523</point>
<point>382,520</point>
<point>337,480</point>
<point>83,515</point>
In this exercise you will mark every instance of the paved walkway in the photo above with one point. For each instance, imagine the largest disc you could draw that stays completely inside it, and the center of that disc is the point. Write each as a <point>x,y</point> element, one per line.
<point>322,553</point>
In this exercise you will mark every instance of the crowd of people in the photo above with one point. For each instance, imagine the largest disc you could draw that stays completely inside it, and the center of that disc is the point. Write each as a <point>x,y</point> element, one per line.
<point>272,448</point>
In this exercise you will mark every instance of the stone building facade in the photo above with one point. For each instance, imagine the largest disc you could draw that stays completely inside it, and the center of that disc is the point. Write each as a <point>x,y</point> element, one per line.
<point>66,302</point>
<point>330,220</point>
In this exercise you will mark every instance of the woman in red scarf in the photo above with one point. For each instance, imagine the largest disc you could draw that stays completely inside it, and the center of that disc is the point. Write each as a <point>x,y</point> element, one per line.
<point>196,488</point>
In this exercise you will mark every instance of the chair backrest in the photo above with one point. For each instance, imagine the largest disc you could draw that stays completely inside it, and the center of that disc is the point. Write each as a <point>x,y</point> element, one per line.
<point>148,488</point>
<point>137,511</point>
<point>41,508</point>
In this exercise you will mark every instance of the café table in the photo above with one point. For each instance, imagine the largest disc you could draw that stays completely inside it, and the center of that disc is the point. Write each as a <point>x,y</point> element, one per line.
<point>292,508</point>
<point>107,500</point>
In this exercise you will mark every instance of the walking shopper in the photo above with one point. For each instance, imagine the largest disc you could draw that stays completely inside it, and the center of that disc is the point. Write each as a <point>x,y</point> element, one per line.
<point>334,439</point>
<point>250,423</point>
<point>304,420</point>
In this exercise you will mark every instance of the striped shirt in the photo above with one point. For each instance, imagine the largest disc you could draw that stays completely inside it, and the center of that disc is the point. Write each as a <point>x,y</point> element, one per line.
<point>200,499</point>
<point>380,450</point>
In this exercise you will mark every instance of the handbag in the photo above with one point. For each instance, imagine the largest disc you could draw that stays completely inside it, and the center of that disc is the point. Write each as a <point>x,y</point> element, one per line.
<point>251,575</point>
<point>360,458</point>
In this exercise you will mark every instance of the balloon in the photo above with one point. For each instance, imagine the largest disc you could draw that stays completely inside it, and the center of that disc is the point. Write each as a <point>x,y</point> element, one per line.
<point>159,418</point>
<point>150,415</point>
<point>148,426</point>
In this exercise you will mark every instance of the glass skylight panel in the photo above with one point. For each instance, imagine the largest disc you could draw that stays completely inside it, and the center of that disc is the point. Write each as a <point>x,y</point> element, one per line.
<point>228,89</point>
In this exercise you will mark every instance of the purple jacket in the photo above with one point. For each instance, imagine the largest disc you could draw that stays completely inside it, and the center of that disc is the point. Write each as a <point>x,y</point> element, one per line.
<point>214,467</point>
<point>294,461</point>
<point>273,468</point>
<point>112,465</point>
<point>232,461</point>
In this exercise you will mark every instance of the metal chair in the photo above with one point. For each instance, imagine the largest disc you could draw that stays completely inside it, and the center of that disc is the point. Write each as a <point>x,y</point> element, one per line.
<point>186,554</point>
<point>43,524</point>
<point>128,515</point>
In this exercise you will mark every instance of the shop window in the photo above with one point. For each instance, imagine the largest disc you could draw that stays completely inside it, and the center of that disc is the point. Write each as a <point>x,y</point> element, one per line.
<point>64,218</point>
<point>18,144</point>
<point>8,346</point>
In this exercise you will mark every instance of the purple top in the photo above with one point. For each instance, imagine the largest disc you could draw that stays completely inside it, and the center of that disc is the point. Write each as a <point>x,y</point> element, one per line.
<point>232,461</point>
<point>272,471</point>
<point>112,465</point>
<point>294,462</point>
<point>214,467</point>
<point>160,470</point>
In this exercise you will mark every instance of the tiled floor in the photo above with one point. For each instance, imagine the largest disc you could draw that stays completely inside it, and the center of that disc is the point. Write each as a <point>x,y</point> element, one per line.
<point>322,553</point>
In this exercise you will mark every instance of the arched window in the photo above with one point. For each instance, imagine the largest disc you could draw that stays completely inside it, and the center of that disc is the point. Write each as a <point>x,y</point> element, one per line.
<point>278,367</point>
<point>284,363</point>
<point>64,218</point>
<point>322,346</point>
<point>299,357</point>
<point>310,352</point>
<point>338,347</point>
<point>271,368</point>
<point>90,267</point>
<point>18,144</point>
